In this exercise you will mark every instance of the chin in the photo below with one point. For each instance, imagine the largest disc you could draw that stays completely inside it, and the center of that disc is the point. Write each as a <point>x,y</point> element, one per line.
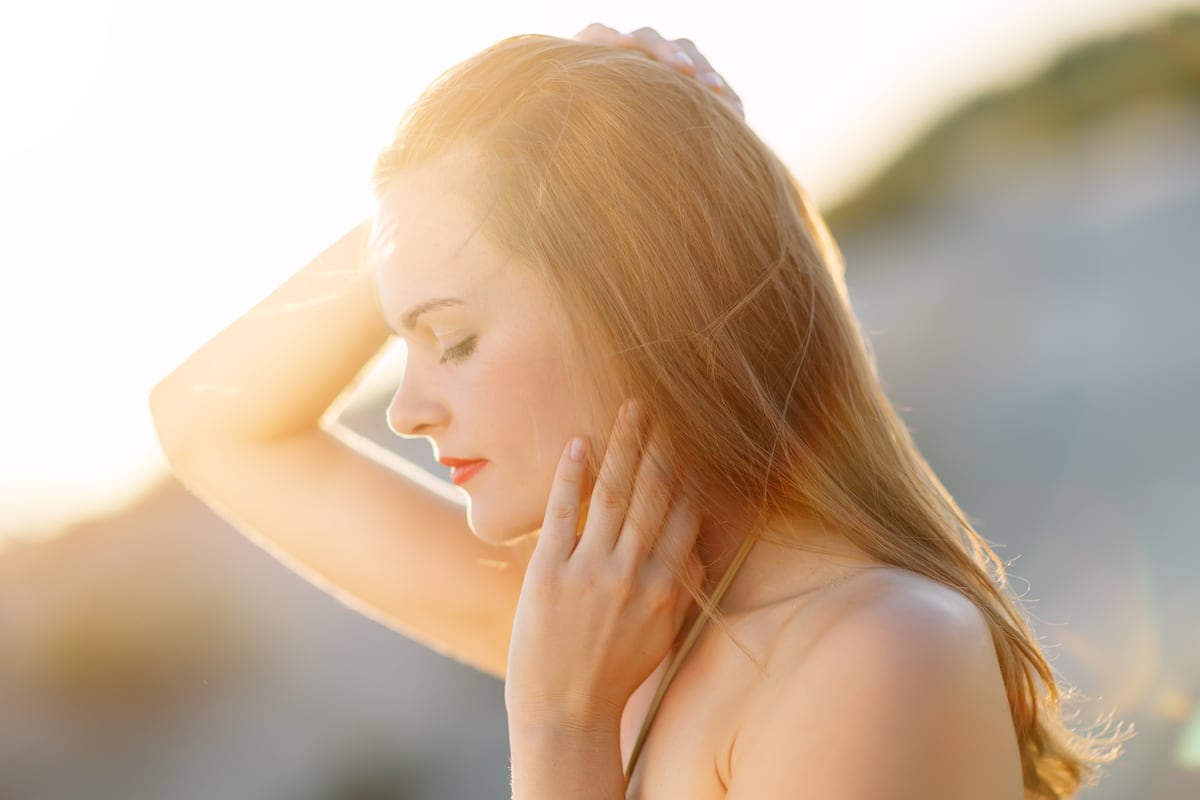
<point>499,528</point>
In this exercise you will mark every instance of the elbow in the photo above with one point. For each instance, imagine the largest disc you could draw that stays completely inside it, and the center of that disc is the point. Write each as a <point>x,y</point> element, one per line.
<point>168,426</point>
<point>175,423</point>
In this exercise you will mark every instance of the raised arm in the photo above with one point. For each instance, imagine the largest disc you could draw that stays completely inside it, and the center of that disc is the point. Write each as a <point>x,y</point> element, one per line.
<point>247,424</point>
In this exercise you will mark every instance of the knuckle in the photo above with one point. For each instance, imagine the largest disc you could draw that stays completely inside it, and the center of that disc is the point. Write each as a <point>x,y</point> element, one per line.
<point>607,499</point>
<point>685,43</point>
<point>616,579</point>
<point>570,476</point>
<point>657,495</point>
<point>661,466</point>
<point>647,32</point>
<point>661,508</point>
<point>661,590</point>
<point>561,511</point>
<point>635,528</point>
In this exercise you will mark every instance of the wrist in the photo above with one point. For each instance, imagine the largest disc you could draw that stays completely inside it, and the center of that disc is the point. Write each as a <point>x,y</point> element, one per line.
<point>535,729</point>
<point>558,716</point>
<point>554,759</point>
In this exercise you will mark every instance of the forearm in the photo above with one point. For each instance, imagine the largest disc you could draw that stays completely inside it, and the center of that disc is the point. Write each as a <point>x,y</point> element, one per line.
<point>278,369</point>
<point>561,760</point>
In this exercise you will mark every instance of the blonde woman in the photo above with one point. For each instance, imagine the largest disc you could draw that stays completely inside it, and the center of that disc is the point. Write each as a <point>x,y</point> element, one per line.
<point>688,501</point>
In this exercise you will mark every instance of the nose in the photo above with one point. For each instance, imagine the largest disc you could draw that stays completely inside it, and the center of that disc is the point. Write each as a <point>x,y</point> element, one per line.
<point>414,410</point>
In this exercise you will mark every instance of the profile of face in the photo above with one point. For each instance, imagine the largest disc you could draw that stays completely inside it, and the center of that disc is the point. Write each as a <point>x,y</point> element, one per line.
<point>488,362</point>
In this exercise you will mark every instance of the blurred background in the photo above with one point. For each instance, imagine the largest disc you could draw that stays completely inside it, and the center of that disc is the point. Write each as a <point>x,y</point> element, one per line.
<point>1016,188</point>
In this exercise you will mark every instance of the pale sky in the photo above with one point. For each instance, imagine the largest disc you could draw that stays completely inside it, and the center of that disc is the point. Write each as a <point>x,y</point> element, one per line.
<point>163,165</point>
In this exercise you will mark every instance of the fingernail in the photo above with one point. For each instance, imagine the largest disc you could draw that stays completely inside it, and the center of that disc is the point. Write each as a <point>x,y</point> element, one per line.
<point>712,79</point>
<point>682,58</point>
<point>578,448</point>
<point>633,411</point>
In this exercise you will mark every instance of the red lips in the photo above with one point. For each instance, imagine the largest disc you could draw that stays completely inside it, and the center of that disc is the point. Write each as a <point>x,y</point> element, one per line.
<point>462,468</point>
<point>447,461</point>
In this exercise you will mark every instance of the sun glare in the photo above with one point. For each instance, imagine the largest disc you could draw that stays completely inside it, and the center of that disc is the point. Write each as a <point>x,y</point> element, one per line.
<point>162,166</point>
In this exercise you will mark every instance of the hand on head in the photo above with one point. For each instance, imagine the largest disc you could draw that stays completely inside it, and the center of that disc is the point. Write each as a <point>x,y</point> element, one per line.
<point>680,54</point>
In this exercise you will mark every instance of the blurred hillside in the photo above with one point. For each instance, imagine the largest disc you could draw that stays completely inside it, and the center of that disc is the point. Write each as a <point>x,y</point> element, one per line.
<point>159,655</point>
<point>1087,86</point>
<point>1027,272</point>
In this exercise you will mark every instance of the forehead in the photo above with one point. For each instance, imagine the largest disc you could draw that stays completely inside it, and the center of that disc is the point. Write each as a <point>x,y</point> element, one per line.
<point>427,241</point>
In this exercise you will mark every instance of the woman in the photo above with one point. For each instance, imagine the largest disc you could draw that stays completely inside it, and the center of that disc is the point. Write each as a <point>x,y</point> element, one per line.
<point>629,337</point>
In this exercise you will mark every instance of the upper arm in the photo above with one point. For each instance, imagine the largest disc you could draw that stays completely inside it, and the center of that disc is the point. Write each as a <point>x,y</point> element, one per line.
<point>242,423</point>
<point>374,530</point>
<point>899,699</point>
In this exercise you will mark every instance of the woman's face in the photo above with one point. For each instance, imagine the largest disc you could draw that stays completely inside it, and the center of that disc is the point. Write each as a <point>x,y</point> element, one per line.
<point>488,368</point>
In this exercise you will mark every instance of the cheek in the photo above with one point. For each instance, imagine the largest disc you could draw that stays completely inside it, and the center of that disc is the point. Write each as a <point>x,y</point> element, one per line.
<point>523,422</point>
<point>522,403</point>
<point>551,416</point>
<point>531,395</point>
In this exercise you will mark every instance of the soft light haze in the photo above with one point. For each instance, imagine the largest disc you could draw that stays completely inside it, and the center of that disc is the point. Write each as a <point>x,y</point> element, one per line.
<point>164,165</point>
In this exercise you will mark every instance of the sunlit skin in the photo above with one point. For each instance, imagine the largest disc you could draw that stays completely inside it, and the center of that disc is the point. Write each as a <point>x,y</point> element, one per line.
<point>478,374</point>
<point>496,344</point>
<point>598,610</point>
<point>857,663</point>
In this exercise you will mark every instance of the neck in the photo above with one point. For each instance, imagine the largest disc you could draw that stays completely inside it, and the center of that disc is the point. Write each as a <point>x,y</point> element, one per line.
<point>772,572</point>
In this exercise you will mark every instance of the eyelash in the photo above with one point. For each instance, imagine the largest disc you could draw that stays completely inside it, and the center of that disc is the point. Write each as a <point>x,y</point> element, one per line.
<point>460,351</point>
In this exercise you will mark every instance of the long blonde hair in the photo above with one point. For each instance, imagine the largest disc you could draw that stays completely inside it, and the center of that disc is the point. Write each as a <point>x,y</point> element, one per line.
<point>679,240</point>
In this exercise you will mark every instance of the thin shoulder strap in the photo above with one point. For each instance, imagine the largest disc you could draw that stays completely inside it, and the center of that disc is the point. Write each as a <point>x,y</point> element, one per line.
<point>685,647</point>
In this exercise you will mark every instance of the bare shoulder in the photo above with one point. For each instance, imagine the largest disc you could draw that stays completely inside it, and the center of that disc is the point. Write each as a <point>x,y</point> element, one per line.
<point>915,621</point>
<point>890,670</point>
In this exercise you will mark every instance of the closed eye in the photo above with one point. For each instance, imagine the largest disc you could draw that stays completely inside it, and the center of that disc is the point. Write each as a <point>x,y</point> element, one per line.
<point>461,350</point>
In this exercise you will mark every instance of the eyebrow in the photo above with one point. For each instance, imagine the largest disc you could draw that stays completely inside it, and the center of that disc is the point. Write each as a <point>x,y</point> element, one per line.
<point>409,319</point>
